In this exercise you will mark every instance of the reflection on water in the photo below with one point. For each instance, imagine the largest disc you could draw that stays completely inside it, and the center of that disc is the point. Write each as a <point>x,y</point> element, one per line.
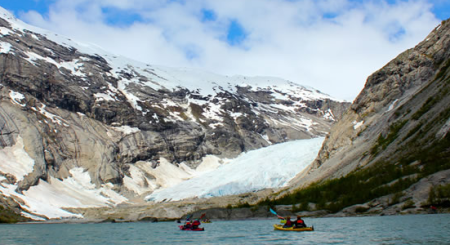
<point>410,229</point>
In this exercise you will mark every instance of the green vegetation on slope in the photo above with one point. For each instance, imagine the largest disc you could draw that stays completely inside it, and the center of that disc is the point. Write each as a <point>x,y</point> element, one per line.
<point>417,155</point>
<point>8,216</point>
<point>440,196</point>
<point>380,179</point>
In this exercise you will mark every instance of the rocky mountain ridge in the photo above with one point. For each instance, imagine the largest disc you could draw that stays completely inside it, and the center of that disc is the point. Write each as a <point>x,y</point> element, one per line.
<point>79,114</point>
<point>396,128</point>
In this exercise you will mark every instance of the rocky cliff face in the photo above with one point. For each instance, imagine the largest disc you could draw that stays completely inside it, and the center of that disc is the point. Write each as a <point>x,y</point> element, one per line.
<point>401,116</point>
<point>69,106</point>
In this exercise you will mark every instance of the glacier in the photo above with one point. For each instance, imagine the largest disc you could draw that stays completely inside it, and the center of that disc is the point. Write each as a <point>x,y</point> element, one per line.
<point>269,167</point>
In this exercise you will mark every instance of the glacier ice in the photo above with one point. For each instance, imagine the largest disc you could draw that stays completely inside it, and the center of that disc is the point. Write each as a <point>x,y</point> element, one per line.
<point>269,167</point>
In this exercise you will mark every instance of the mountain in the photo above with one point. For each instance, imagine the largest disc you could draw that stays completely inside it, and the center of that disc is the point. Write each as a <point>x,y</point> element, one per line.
<point>80,127</point>
<point>393,142</point>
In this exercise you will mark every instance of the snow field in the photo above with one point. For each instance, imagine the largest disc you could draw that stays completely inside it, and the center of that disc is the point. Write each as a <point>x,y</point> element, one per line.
<point>49,198</point>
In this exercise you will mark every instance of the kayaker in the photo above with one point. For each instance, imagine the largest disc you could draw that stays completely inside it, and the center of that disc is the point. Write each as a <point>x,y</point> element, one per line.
<point>299,223</point>
<point>188,225</point>
<point>288,222</point>
<point>195,224</point>
<point>433,209</point>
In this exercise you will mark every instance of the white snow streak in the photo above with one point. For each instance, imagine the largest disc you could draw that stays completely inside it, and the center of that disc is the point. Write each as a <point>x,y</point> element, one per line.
<point>126,129</point>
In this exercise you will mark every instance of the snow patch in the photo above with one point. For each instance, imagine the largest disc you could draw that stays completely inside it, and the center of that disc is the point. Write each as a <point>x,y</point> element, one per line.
<point>104,97</point>
<point>31,216</point>
<point>132,99</point>
<point>126,130</point>
<point>357,125</point>
<point>392,105</point>
<point>329,115</point>
<point>5,47</point>
<point>36,206</point>
<point>54,118</point>
<point>15,160</point>
<point>74,66</point>
<point>17,98</point>
<point>266,138</point>
<point>50,198</point>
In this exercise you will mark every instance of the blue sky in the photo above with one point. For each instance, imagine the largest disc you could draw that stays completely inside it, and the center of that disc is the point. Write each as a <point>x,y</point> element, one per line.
<point>236,32</point>
<point>293,39</point>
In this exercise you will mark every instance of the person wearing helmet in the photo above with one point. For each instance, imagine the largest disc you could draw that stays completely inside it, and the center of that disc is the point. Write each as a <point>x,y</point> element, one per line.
<point>299,223</point>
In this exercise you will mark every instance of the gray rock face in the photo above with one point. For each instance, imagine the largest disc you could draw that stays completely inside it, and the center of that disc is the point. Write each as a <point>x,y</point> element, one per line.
<point>78,107</point>
<point>402,110</point>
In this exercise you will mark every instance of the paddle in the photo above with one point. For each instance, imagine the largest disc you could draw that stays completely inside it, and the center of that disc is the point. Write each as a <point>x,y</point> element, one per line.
<point>271,210</point>
<point>202,216</point>
<point>188,217</point>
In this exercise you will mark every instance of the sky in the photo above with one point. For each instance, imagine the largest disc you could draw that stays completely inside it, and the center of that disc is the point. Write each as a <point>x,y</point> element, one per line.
<point>331,45</point>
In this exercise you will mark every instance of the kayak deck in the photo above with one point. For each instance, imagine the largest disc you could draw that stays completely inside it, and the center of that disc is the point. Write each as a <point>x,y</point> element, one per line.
<point>281,228</point>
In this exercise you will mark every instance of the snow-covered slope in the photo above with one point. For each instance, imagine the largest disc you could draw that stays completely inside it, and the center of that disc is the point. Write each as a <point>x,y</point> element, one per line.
<point>206,83</point>
<point>100,129</point>
<point>47,199</point>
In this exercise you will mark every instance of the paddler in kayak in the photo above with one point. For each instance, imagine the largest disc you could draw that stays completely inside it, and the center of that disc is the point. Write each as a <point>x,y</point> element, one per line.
<point>299,223</point>
<point>188,225</point>
<point>196,224</point>
<point>288,222</point>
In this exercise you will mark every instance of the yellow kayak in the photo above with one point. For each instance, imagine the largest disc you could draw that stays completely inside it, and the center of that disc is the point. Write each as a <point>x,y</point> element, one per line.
<point>280,228</point>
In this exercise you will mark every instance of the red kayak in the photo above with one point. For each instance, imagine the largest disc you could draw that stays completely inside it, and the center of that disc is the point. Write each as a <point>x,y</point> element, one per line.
<point>190,229</point>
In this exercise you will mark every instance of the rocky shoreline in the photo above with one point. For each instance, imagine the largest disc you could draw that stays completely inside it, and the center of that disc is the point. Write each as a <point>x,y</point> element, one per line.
<point>224,214</point>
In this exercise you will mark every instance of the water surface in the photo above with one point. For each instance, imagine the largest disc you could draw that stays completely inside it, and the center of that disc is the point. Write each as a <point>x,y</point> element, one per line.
<point>409,229</point>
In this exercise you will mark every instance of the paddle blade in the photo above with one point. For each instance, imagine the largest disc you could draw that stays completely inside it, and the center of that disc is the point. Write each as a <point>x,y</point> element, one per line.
<point>271,210</point>
<point>201,217</point>
<point>189,217</point>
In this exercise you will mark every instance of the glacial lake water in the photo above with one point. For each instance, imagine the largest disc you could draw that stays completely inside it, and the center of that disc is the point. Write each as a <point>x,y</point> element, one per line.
<point>428,229</point>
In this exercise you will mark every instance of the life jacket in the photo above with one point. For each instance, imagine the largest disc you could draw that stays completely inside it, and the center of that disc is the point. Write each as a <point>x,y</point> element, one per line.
<point>288,223</point>
<point>300,221</point>
<point>196,222</point>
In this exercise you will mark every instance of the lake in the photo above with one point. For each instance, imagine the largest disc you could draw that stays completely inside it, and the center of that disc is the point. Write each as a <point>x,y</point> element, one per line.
<point>409,229</point>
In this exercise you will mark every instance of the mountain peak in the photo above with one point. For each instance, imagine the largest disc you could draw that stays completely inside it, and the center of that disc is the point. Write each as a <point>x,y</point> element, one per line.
<point>106,123</point>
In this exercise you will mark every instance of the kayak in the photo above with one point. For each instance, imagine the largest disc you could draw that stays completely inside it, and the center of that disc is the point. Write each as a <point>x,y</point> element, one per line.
<point>280,228</point>
<point>190,229</point>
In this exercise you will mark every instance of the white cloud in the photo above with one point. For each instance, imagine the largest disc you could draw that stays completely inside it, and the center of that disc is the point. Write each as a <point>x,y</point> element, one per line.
<point>288,39</point>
